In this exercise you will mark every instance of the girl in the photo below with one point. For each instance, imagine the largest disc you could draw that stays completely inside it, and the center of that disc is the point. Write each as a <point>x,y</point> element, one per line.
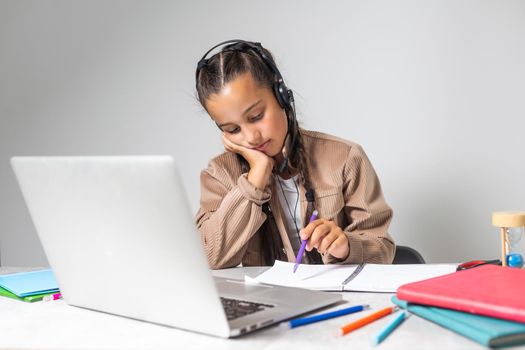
<point>257,195</point>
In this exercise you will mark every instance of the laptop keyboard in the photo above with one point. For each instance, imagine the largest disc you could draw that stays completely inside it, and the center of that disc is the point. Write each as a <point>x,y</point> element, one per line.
<point>237,308</point>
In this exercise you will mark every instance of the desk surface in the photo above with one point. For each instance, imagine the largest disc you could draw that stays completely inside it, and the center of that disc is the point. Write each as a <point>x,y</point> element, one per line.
<point>56,325</point>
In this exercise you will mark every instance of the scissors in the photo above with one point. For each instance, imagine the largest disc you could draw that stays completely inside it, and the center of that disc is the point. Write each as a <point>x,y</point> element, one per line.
<point>476,263</point>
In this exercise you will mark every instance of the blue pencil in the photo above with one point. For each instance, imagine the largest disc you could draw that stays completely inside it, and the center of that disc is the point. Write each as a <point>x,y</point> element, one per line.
<point>383,333</point>
<point>321,317</point>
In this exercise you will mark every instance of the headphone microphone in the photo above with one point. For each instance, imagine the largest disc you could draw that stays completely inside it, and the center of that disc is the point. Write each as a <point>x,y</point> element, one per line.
<point>286,147</point>
<point>284,165</point>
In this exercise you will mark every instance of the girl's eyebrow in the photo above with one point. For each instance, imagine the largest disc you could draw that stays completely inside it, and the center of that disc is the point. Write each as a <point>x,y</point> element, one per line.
<point>251,107</point>
<point>246,111</point>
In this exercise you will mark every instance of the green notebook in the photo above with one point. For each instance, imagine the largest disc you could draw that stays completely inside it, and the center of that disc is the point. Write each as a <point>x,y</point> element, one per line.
<point>488,331</point>
<point>28,299</point>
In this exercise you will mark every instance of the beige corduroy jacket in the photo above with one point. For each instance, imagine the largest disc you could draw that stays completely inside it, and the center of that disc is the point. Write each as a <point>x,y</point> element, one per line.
<point>347,191</point>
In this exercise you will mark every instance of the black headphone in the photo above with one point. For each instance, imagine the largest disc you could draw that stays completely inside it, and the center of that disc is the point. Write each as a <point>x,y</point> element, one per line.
<point>282,93</point>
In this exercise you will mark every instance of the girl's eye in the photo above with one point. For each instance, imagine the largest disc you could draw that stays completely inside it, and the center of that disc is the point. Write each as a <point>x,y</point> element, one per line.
<point>235,129</point>
<point>257,117</point>
<point>232,130</point>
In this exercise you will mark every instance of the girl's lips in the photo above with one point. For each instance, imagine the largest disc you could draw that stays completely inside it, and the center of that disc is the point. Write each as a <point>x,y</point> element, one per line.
<point>262,146</point>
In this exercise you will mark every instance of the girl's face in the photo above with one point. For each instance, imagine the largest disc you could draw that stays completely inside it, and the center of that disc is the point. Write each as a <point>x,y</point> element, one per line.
<point>249,115</point>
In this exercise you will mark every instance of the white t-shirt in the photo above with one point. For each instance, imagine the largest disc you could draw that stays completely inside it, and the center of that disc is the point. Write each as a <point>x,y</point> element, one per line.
<point>288,193</point>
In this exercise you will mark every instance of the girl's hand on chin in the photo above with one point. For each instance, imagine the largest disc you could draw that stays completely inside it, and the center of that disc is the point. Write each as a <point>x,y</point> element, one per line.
<point>261,165</point>
<point>252,156</point>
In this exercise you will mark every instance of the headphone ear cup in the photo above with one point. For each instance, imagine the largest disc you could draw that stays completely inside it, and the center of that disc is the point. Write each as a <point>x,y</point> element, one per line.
<point>281,93</point>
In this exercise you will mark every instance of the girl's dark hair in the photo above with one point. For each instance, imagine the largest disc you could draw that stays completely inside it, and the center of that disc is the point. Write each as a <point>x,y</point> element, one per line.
<point>233,61</point>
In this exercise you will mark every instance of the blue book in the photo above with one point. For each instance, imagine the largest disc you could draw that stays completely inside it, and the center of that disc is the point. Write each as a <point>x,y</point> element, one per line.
<point>488,331</point>
<point>24,284</point>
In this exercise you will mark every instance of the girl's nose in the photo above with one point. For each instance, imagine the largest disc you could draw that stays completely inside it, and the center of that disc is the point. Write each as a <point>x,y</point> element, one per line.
<point>253,136</point>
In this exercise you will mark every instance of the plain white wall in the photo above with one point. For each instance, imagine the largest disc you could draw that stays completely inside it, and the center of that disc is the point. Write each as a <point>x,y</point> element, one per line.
<point>433,90</point>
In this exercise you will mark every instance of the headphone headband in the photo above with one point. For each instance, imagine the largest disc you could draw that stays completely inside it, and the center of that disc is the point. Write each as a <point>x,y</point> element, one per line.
<point>256,46</point>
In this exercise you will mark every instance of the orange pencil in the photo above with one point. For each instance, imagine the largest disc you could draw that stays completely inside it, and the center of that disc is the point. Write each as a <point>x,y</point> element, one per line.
<point>368,319</point>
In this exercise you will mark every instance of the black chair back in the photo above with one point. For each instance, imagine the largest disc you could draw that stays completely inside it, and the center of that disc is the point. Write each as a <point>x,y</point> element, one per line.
<point>407,255</point>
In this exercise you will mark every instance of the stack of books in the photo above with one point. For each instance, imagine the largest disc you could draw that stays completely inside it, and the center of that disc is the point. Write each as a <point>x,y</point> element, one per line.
<point>30,286</point>
<point>485,304</point>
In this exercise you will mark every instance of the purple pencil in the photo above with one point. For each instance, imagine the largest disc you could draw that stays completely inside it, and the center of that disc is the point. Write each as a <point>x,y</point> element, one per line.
<point>303,245</point>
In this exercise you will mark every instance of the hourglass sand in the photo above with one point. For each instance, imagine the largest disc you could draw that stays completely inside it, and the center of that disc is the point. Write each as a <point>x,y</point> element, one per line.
<point>505,220</point>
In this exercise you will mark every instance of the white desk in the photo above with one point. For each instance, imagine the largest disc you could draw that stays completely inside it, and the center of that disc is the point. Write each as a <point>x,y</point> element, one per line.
<point>56,325</point>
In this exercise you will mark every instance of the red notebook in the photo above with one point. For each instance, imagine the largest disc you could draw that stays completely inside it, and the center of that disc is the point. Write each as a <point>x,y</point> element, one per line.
<point>486,290</point>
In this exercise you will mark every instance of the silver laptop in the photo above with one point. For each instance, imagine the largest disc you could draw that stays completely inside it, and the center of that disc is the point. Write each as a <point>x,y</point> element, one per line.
<point>121,239</point>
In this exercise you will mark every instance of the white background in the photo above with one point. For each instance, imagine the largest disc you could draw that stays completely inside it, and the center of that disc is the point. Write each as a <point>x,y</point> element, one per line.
<point>433,90</point>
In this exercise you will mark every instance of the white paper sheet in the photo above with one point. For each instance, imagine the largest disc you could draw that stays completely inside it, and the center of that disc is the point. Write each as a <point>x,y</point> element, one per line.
<point>373,277</point>
<point>387,278</point>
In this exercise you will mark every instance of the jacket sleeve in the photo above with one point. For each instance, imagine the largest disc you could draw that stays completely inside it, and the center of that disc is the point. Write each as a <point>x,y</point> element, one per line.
<point>367,213</point>
<point>228,217</point>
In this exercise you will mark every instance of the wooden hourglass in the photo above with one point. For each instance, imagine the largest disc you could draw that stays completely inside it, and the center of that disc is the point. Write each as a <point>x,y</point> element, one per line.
<point>505,220</point>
